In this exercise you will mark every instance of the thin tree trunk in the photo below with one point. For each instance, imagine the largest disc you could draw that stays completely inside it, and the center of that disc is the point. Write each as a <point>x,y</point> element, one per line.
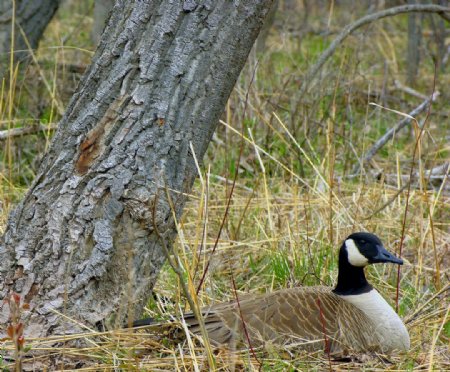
<point>82,242</point>
<point>264,34</point>
<point>414,39</point>
<point>31,18</point>
<point>102,8</point>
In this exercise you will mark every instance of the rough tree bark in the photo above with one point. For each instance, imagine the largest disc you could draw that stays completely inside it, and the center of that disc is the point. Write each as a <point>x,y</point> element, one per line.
<point>32,16</point>
<point>82,242</point>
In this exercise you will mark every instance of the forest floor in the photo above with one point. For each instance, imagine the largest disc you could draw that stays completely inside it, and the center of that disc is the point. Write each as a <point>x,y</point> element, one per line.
<point>297,194</point>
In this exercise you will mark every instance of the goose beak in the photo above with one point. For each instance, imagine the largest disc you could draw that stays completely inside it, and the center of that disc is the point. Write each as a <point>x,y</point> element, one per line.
<point>384,255</point>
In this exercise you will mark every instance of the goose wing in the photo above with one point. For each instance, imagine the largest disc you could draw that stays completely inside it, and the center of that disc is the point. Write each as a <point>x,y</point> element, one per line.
<point>356,330</point>
<point>304,317</point>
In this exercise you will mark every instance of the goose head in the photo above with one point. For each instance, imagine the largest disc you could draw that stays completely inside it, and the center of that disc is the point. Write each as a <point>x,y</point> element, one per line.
<point>359,250</point>
<point>363,248</point>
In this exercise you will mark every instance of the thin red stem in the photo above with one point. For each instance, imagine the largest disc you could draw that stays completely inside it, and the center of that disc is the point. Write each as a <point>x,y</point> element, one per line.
<point>327,342</point>
<point>244,327</point>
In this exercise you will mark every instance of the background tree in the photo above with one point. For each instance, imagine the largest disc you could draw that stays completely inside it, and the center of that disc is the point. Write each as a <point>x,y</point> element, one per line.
<point>414,36</point>
<point>30,20</point>
<point>83,240</point>
<point>102,9</point>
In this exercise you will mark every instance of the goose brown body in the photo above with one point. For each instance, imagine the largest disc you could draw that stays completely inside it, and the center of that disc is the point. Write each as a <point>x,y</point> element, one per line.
<point>311,318</point>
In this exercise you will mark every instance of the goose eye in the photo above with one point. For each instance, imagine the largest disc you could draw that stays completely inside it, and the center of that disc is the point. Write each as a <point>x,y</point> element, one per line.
<point>362,241</point>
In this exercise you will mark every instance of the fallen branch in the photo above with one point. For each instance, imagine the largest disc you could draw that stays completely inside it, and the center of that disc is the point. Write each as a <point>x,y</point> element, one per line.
<point>437,175</point>
<point>349,29</point>
<point>440,170</point>
<point>409,90</point>
<point>389,202</point>
<point>391,132</point>
<point>230,182</point>
<point>16,132</point>
<point>434,176</point>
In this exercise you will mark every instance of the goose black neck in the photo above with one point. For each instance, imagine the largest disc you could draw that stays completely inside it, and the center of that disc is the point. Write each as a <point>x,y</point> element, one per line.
<point>351,279</point>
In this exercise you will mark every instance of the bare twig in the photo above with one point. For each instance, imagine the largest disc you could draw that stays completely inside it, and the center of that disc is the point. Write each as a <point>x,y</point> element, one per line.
<point>391,132</point>
<point>349,29</point>
<point>16,132</point>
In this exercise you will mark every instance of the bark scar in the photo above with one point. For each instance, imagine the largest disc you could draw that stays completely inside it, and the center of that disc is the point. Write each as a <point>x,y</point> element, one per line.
<point>34,290</point>
<point>93,145</point>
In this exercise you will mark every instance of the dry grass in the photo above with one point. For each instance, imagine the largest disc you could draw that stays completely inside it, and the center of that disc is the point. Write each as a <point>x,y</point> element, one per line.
<point>265,258</point>
<point>294,199</point>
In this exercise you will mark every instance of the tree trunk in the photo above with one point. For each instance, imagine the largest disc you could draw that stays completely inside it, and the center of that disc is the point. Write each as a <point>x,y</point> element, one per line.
<point>414,40</point>
<point>83,240</point>
<point>102,8</point>
<point>265,30</point>
<point>32,17</point>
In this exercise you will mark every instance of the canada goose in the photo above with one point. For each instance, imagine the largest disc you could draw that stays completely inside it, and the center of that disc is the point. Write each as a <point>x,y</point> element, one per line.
<point>352,316</point>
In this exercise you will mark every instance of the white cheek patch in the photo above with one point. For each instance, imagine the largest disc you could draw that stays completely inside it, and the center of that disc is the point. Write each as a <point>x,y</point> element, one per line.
<point>354,255</point>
